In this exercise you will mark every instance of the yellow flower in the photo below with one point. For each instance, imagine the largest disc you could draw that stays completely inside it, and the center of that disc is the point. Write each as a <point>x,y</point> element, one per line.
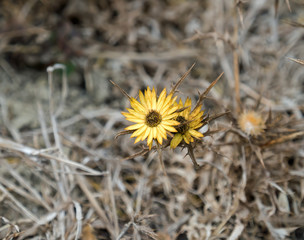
<point>153,116</point>
<point>251,123</point>
<point>189,123</point>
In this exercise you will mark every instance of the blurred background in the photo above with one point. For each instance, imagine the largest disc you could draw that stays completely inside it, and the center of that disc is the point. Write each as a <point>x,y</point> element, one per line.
<point>140,43</point>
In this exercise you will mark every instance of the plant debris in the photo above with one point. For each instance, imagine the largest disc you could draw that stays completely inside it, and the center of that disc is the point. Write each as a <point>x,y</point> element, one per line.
<point>63,173</point>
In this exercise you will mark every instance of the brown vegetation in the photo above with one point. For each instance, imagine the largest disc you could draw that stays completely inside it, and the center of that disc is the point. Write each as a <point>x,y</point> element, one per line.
<point>63,175</point>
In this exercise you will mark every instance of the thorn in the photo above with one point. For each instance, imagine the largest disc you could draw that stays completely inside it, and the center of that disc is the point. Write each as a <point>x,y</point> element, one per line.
<point>122,91</point>
<point>181,80</point>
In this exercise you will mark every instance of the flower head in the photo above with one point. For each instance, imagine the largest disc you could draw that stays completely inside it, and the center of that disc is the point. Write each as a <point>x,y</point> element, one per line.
<point>153,116</point>
<point>189,123</point>
<point>251,123</point>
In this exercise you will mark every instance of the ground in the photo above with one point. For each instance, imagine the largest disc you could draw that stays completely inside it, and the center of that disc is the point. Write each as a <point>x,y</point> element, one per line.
<point>64,174</point>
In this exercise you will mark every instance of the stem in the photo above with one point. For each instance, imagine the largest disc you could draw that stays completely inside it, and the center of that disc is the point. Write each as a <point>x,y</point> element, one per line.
<point>191,154</point>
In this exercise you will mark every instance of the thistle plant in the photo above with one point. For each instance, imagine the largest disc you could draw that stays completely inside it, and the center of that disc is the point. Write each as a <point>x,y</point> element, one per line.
<point>251,123</point>
<point>163,120</point>
<point>259,131</point>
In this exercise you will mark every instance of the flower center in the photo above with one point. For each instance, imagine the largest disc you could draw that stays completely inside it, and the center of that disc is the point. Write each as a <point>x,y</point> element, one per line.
<point>153,118</point>
<point>183,127</point>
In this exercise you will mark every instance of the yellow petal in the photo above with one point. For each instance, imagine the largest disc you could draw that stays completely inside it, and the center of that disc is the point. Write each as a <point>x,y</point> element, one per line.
<point>171,122</point>
<point>127,114</point>
<point>167,103</point>
<point>176,140</point>
<point>169,128</point>
<point>180,103</point>
<point>153,99</point>
<point>135,126</point>
<point>139,131</point>
<point>143,100</point>
<point>146,133</point>
<point>137,139</point>
<point>137,106</point>
<point>171,109</point>
<point>196,110</point>
<point>161,100</point>
<point>200,114</point>
<point>159,139</point>
<point>186,139</point>
<point>195,133</point>
<point>188,102</point>
<point>150,138</point>
<point>154,131</point>
<point>166,110</point>
<point>195,124</point>
<point>187,111</point>
<point>137,114</point>
<point>162,132</point>
<point>132,118</point>
<point>170,117</point>
<point>197,116</point>
<point>148,97</point>
<point>188,136</point>
<point>136,120</point>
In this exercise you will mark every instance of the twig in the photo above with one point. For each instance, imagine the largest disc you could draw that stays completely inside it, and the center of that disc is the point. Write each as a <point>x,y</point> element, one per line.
<point>300,61</point>
<point>205,93</point>
<point>120,89</point>
<point>33,153</point>
<point>175,87</point>
<point>113,204</point>
<point>236,69</point>
<point>82,184</point>
<point>25,211</point>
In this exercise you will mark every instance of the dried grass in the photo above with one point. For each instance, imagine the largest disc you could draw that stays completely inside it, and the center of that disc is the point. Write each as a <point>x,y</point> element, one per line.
<point>63,174</point>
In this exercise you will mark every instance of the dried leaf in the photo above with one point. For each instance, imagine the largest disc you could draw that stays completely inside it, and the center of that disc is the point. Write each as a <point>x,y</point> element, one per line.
<point>88,232</point>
